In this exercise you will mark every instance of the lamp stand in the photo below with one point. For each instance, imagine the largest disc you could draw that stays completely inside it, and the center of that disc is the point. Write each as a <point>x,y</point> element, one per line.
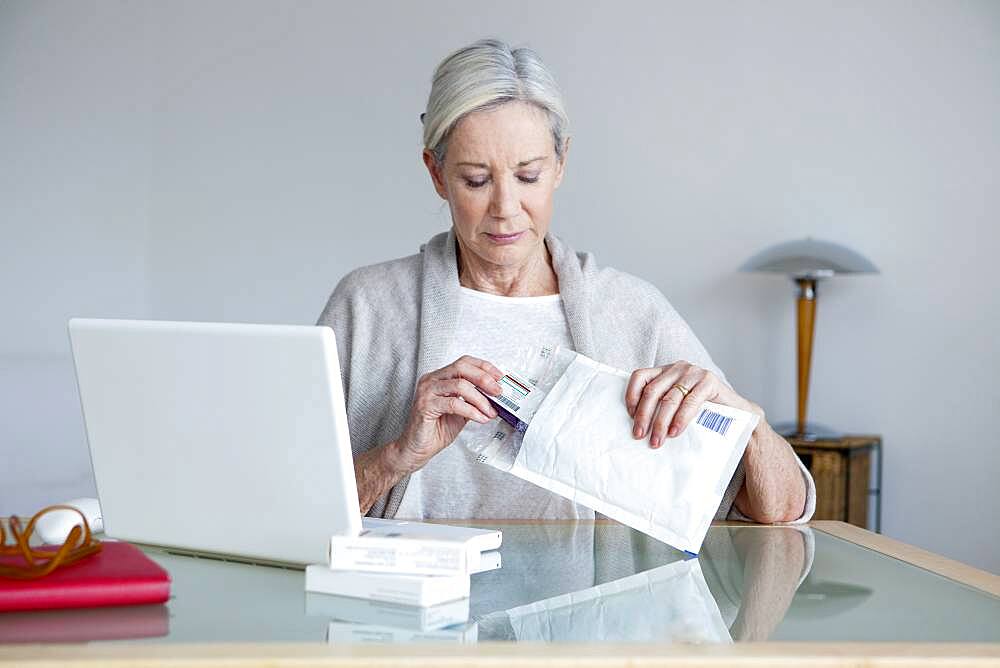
<point>806,309</point>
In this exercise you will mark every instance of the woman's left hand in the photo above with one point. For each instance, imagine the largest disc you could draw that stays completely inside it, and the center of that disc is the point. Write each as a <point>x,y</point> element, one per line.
<point>663,400</point>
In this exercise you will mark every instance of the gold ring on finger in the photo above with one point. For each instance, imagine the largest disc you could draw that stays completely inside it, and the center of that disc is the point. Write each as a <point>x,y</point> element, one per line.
<point>685,391</point>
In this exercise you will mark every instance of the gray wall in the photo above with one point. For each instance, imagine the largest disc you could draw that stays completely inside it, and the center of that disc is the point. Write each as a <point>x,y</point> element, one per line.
<point>231,160</point>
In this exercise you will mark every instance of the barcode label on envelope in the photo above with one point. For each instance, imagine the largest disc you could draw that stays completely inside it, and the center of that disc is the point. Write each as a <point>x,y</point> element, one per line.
<point>715,421</point>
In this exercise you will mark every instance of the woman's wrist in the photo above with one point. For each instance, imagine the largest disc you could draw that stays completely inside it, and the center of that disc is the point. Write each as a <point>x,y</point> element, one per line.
<point>758,411</point>
<point>762,426</point>
<point>396,461</point>
<point>376,472</point>
<point>762,433</point>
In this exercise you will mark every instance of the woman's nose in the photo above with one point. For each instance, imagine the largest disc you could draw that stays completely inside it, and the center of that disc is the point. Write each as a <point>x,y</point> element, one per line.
<point>504,202</point>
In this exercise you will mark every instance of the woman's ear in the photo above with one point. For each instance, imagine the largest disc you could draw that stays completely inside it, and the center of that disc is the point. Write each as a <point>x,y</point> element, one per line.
<point>561,166</point>
<point>437,177</point>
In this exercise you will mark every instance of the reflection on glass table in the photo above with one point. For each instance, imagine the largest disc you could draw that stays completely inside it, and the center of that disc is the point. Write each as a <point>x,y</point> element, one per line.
<point>85,624</point>
<point>584,582</point>
<point>669,603</point>
<point>571,582</point>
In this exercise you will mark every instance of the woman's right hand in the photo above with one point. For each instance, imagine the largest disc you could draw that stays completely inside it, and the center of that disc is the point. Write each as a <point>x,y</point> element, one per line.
<point>445,400</point>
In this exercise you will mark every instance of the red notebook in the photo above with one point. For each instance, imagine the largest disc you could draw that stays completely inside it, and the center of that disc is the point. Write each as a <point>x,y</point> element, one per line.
<point>120,574</point>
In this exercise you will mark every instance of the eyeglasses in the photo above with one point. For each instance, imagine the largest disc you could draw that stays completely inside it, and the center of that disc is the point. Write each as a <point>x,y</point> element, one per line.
<point>39,562</point>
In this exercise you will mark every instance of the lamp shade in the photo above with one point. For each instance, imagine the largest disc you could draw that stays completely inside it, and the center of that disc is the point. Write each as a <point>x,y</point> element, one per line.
<point>809,258</point>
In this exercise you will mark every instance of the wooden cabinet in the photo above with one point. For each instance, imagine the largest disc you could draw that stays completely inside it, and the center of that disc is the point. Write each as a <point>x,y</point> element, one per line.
<point>842,469</point>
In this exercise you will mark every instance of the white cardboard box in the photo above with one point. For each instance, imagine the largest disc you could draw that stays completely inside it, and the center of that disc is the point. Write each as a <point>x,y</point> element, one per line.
<point>422,590</point>
<point>414,548</point>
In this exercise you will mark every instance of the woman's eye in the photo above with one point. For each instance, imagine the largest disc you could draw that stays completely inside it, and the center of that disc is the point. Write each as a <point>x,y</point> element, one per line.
<point>528,179</point>
<point>475,183</point>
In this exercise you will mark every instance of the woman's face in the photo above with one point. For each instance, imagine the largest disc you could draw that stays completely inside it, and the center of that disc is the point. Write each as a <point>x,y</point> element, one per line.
<point>498,177</point>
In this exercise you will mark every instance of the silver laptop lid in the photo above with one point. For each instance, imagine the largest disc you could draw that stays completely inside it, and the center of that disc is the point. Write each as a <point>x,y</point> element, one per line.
<point>218,438</point>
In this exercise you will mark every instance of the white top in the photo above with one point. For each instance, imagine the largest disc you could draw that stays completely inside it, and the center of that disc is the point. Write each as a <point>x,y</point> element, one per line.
<point>453,485</point>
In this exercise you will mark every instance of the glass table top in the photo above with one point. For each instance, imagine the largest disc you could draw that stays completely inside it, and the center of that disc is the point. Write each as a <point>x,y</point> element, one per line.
<point>569,582</point>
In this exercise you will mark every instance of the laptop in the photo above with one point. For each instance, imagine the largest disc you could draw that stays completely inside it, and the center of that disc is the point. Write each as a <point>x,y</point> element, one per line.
<point>220,439</point>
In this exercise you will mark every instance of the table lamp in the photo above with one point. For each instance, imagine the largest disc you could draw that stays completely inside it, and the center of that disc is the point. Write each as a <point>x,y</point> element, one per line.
<point>806,262</point>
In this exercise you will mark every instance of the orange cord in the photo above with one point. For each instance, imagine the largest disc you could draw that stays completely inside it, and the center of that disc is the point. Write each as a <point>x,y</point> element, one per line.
<point>39,563</point>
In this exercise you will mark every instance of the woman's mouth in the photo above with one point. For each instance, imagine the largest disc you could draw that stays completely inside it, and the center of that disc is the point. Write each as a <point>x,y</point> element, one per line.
<point>505,238</point>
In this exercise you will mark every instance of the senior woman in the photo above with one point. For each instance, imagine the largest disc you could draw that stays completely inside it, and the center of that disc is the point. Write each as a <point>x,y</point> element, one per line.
<point>420,336</point>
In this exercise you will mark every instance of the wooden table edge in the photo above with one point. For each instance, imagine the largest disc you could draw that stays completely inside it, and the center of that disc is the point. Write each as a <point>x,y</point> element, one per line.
<point>929,561</point>
<point>494,654</point>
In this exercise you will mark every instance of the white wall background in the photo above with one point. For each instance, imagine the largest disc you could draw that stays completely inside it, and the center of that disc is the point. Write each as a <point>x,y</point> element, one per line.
<point>231,160</point>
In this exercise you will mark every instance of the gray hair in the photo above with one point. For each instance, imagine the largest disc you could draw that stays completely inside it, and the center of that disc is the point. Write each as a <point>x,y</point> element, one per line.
<point>485,75</point>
